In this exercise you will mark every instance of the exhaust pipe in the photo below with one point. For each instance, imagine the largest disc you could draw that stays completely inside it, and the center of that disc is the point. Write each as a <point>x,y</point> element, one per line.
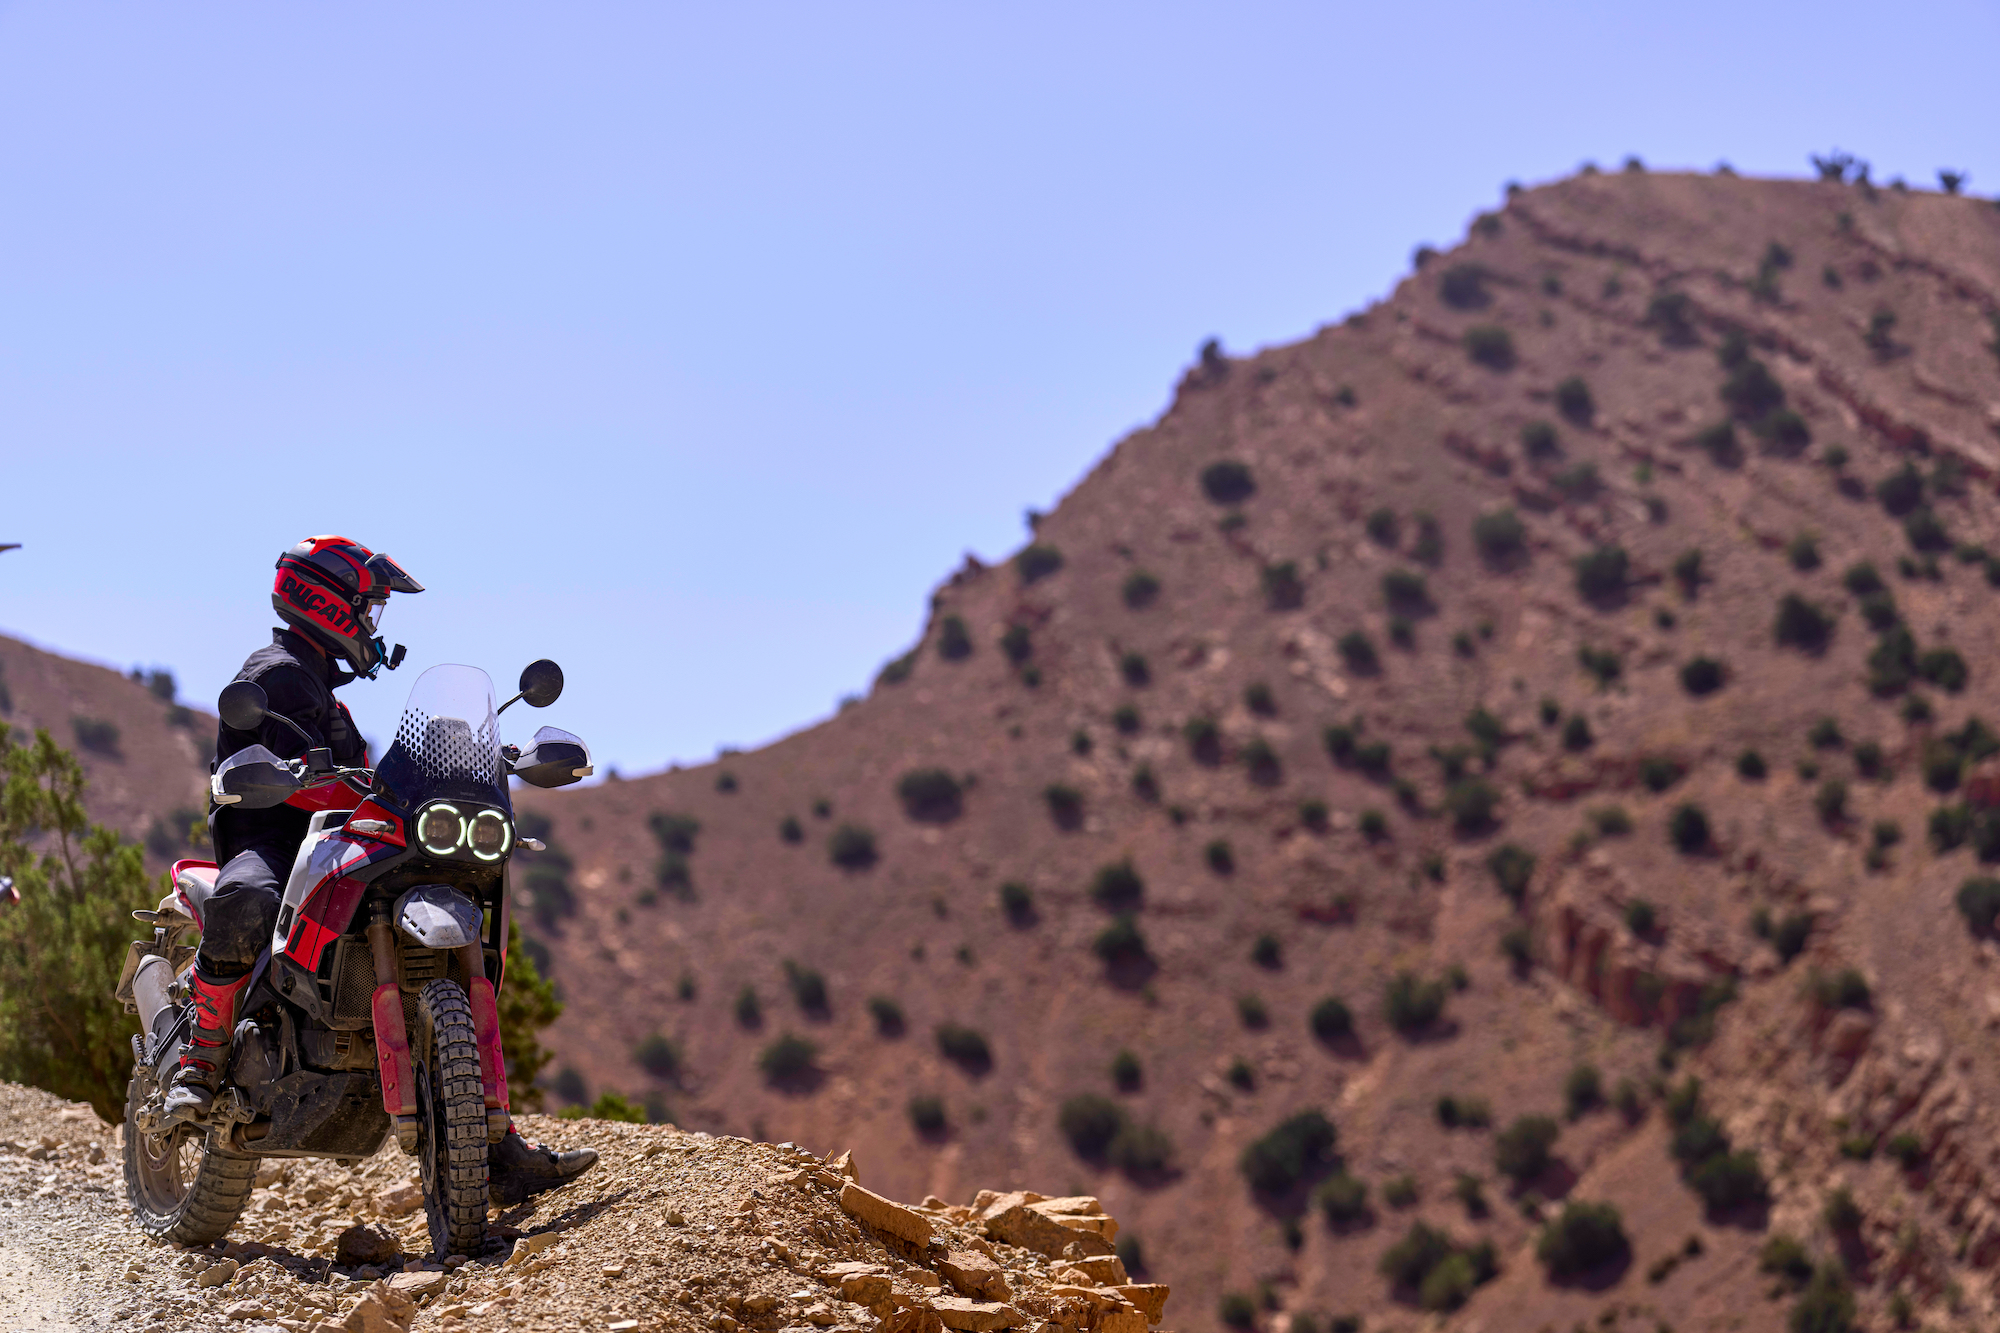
<point>150,985</point>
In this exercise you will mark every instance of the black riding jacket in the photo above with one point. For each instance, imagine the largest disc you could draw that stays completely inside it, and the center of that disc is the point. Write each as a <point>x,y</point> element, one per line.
<point>299,683</point>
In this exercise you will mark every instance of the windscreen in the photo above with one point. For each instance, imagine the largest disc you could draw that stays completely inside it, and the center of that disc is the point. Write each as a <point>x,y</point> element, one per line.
<point>447,743</point>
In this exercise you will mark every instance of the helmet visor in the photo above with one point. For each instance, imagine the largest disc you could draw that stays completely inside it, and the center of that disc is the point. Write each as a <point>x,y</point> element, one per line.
<point>371,613</point>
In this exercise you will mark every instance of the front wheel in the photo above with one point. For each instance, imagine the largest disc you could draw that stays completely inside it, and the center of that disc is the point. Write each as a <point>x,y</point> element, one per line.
<point>451,1120</point>
<point>181,1189</point>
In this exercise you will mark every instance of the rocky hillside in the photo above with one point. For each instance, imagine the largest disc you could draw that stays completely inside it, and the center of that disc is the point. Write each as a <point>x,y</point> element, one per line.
<point>146,756</point>
<point>1388,781</point>
<point>669,1231</point>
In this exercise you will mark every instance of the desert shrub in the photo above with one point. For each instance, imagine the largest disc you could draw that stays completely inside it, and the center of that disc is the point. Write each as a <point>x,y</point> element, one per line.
<point>1358,651</point>
<point>1132,666</point>
<point>1257,697</point>
<point>1250,1011</point>
<point>1090,1121</point>
<point>1121,944</point>
<point>1641,916</point>
<point>888,1015</point>
<point>1313,814</point>
<point>1845,989</point>
<point>1751,390</point>
<point>1687,828</point>
<point>1926,531</point>
<point>1118,887</point>
<point>1603,664</point>
<point>1141,589</point>
<point>1383,527</point>
<point>1659,772</point>
<point>1671,315</point>
<point>1065,805</point>
<point>1720,444</point>
<point>1573,400</point>
<point>1784,432</point>
<point>1803,552</point>
<point>97,736</point>
<point>851,847</point>
<point>1017,644</point>
<point>1126,719</point>
<point>1512,867</point>
<point>1036,562</point>
<point>749,1009</point>
<point>1789,935</point>
<point>1901,491</point>
<point>1017,900</point>
<point>1340,742</point>
<point>1611,820</point>
<point>808,987</point>
<point>1296,1149</point>
<point>1237,1310</point>
<point>658,1056</point>
<point>1950,826</point>
<point>787,1058</point>
<point>1330,1020</point>
<point>1221,858</point>
<point>1262,762</point>
<point>1579,483</point>
<point>1405,592</point>
<point>1701,676</point>
<point>1500,538</point>
<point>1126,1072</point>
<point>1429,547</point>
<point>1491,346</point>
<point>1824,734</point>
<point>1410,1004</point>
<point>1583,1237</point>
<point>1373,758</point>
<point>1267,953</point>
<point>1283,589</point>
<point>1463,287</point>
<point>1342,1199</point>
<point>1892,662</point>
<point>1521,1151</point>
<point>790,830</point>
<point>1227,482</point>
<point>930,795</point>
<point>1831,801</point>
<point>1374,825</point>
<point>1879,610</point>
<point>1471,804</point>
<point>1944,668</point>
<point>965,1047</point>
<point>1583,1090</point>
<point>1802,624</point>
<point>1141,1150</point>
<point>927,1114</point>
<point>1826,1305</point>
<point>1538,440</point>
<point>1979,903</point>
<point>954,639</point>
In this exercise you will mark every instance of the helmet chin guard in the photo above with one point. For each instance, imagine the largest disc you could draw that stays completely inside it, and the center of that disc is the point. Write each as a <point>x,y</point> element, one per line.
<point>332,590</point>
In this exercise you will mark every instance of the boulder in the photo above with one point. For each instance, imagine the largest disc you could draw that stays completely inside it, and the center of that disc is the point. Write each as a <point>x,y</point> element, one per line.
<point>871,1209</point>
<point>1048,1226</point>
<point>974,1275</point>
<point>911,1319</point>
<point>979,1316</point>
<point>1103,1270</point>
<point>401,1201</point>
<point>216,1273</point>
<point>366,1243</point>
<point>418,1284</point>
<point>381,1309</point>
<point>1149,1297</point>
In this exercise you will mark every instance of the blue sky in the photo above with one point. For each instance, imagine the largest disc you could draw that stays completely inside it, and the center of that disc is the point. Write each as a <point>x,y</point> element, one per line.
<point>692,345</point>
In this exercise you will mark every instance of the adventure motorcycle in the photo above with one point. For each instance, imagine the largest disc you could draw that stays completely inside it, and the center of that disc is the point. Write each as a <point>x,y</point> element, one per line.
<point>374,1009</point>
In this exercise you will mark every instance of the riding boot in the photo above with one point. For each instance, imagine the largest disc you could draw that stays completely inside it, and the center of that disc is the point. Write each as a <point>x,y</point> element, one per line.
<point>516,1168</point>
<point>206,1054</point>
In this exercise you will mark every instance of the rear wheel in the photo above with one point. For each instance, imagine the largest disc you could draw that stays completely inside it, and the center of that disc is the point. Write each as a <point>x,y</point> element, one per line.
<point>451,1120</point>
<point>181,1189</point>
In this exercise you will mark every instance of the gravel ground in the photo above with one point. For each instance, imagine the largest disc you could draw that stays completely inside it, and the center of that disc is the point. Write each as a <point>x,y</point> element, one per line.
<point>669,1231</point>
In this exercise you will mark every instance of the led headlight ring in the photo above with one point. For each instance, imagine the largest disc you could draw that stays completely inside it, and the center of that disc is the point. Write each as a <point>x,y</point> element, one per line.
<point>440,829</point>
<point>489,835</point>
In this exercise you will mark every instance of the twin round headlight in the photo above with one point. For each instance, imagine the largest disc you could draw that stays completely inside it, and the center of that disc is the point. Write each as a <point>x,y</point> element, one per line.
<point>442,829</point>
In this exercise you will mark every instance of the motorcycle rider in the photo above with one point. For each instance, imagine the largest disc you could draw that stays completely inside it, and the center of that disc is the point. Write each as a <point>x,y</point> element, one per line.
<point>330,593</point>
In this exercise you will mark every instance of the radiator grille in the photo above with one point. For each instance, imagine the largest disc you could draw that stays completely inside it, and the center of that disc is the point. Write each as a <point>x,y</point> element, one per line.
<point>354,978</point>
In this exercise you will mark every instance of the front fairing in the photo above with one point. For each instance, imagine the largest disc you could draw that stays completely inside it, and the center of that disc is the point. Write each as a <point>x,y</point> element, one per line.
<point>447,745</point>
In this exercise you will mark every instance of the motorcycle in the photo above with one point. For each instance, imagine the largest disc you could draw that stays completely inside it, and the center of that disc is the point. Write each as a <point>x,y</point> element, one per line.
<point>374,1010</point>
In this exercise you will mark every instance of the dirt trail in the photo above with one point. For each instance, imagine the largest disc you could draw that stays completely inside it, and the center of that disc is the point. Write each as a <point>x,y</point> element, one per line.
<point>671,1230</point>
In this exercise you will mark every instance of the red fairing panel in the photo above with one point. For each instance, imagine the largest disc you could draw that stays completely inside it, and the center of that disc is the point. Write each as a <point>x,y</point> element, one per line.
<point>330,902</point>
<point>330,796</point>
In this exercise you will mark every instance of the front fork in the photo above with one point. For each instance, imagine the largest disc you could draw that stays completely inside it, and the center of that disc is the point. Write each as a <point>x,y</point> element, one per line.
<point>392,1037</point>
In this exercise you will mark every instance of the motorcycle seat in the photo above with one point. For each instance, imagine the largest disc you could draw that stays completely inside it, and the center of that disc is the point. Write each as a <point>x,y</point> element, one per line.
<point>194,885</point>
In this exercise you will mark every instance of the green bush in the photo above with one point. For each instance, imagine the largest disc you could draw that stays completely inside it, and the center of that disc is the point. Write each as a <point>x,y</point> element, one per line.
<point>1826,1305</point>
<point>1141,1150</point>
<point>1133,667</point>
<point>1802,624</point>
<point>1299,1147</point>
<point>790,830</point>
<point>1227,482</point>
<point>1220,856</point>
<point>608,1106</point>
<point>1126,1072</point>
<point>1373,825</point>
<point>1491,346</point>
<point>1342,1199</point>
<point>1122,944</point>
<point>1578,484</point>
<point>749,1009</point>
<point>1330,1020</point>
<point>1500,538</point>
<point>1411,1005</point>
<point>808,987</point>
<point>1017,644</point>
<point>1944,668</point>
<point>927,1115</point>
<point>1979,903</point>
<point>1429,548</point>
<point>1037,562</point>
<point>1702,676</point>
<point>965,1047</point>
<point>1237,1310</point>
<point>1283,589</point>
<point>787,1058</point>
<point>1603,664</point>
<point>1783,1256</point>
<point>1405,592</point>
<point>1266,952</point>
<point>1358,651</point>
<point>851,847</point>
<point>1262,761</point>
<point>1521,1151</point>
<point>658,1056</point>
<point>1729,1180</point>
<point>1512,867</point>
<point>1538,440</point>
<point>97,736</point>
<point>930,795</point>
<point>1463,1112</point>
<point>888,1015</point>
<point>1576,733</point>
<point>1901,491</point>
<point>954,640</point>
<point>1687,828</point>
<point>1257,697</point>
<point>1641,916</point>
<point>1471,804</point>
<point>1463,287</point>
<point>1141,590</point>
<point>1925,531</point>
<point>1090,1121</point>
<point>1251,1011</point>
<point>1671,314</point>
<point>1126,719</point>
<point>1585,1236</point>
<point>1065,805</point>
<point>1583,1090</point>
<point>1573,400</point>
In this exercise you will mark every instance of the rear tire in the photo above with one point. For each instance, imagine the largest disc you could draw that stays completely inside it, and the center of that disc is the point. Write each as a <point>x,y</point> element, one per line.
<point>181,1190</point>
<point>451,1120</point>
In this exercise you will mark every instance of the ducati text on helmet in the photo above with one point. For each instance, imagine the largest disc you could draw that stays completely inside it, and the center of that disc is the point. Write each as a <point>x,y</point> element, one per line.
<point>332,590</point>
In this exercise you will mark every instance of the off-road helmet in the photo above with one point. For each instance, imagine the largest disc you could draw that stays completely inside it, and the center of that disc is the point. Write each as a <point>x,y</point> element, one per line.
<point>332,590</point>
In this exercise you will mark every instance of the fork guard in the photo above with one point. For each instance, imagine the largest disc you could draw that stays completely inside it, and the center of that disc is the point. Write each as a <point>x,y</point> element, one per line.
<point>492,1064</point>
<point>392,1052</point>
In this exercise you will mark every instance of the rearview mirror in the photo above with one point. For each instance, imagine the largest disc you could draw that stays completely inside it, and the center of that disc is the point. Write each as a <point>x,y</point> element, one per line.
<point>541,683</point>
<point>242,705</point>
